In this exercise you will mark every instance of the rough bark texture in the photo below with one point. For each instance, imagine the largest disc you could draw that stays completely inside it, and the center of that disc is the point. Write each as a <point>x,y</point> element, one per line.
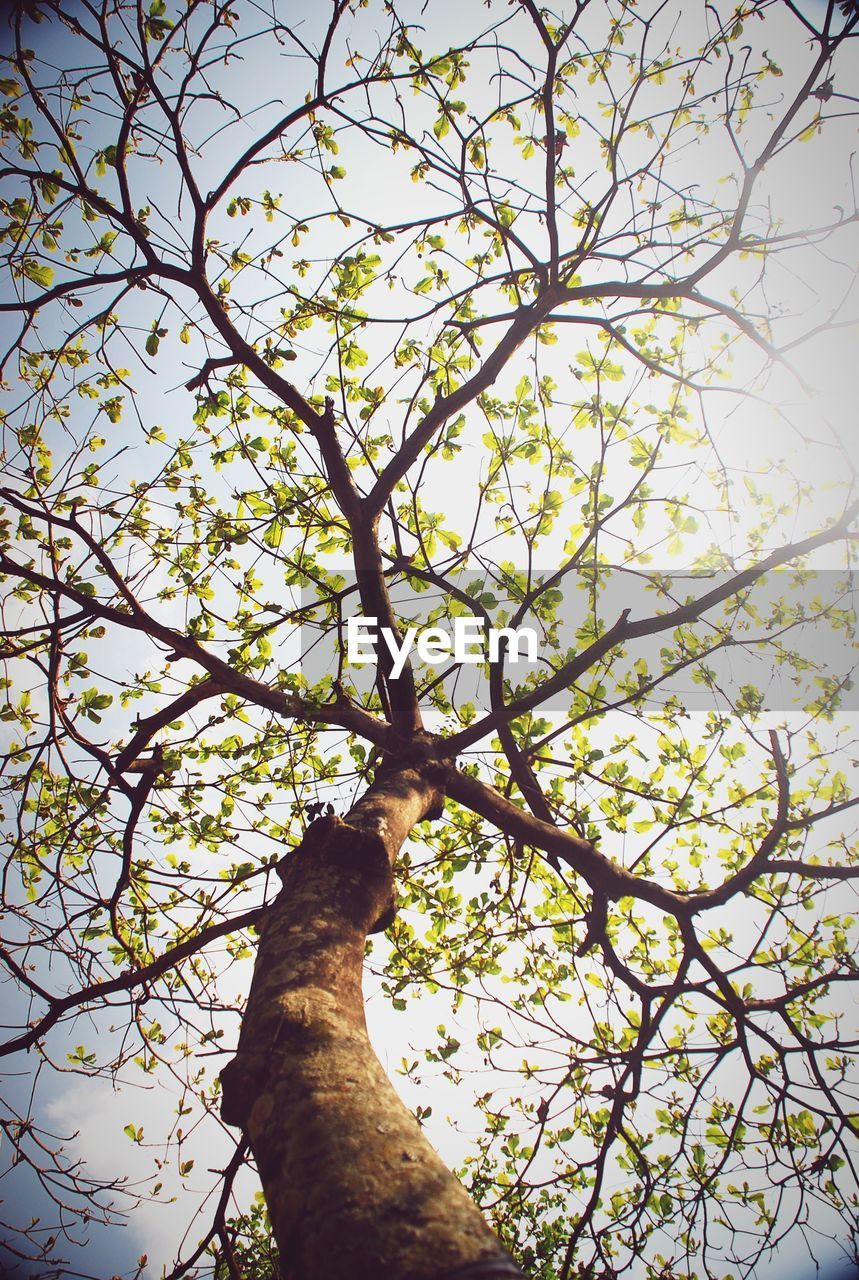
<point>353,1188</point>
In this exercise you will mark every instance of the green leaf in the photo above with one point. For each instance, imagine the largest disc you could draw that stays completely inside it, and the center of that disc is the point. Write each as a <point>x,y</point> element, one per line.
<point>38,272</point>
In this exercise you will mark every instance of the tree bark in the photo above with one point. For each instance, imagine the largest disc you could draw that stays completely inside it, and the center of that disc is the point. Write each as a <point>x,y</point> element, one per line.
<point>354,1190</point>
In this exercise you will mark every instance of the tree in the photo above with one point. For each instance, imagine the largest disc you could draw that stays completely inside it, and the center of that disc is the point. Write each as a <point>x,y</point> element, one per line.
<point>320,318</point>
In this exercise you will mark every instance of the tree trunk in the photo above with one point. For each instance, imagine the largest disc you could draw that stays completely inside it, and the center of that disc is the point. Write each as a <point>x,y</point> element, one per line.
<point>354,1190</point>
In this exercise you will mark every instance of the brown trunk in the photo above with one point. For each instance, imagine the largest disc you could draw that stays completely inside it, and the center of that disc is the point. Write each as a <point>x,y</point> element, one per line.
<point>353,1189</point>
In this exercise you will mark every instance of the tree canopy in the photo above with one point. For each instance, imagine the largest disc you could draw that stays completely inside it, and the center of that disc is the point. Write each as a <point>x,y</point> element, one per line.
<point>491,314</point>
